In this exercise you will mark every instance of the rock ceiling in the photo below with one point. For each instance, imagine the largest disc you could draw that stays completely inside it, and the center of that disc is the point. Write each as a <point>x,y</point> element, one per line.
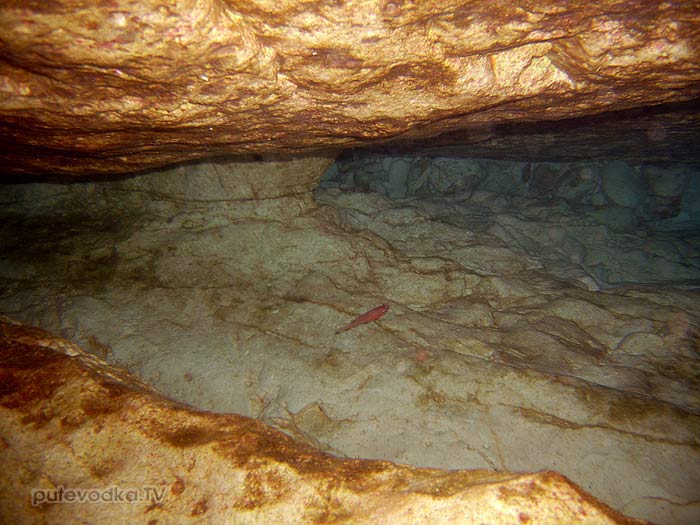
<point>131,85</point>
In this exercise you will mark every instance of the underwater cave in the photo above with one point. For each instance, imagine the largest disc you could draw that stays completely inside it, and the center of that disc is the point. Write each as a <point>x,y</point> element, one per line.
<point>473,301</point>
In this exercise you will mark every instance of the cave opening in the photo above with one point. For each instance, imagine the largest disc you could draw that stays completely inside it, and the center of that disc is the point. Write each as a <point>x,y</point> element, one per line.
<point>602,223</point>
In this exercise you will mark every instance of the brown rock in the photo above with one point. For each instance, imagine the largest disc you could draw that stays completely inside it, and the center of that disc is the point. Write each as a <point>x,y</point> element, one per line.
<point>125,86</point>
<point>70,421</point>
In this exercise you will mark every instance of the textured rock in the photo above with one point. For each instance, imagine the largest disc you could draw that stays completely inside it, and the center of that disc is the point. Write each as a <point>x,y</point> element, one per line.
<point>124,85</point>
<point>484,361</point>
<point>597,228</point>
<point>667,182</point>
<point>69,422</point>
<point>622,185</point>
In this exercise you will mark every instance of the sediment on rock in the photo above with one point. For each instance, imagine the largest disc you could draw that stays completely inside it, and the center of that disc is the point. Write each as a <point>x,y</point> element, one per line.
<point>70,423</point>
<point>120,86</point>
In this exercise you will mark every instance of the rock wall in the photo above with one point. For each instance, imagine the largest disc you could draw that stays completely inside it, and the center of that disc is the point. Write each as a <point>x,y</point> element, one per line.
<point>611,222</point>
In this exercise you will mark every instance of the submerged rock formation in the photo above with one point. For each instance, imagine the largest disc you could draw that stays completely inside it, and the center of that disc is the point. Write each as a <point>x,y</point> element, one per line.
<point>222,283</point>
<point>603,223</point>
<point>120,86</point>
<point>74,427</point>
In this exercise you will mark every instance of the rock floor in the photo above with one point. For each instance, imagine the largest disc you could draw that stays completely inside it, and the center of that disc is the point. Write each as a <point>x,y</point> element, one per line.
<point>484,360</point>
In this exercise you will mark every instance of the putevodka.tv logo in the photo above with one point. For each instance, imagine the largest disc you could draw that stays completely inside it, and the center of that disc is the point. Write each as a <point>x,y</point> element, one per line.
<point>111,494</point>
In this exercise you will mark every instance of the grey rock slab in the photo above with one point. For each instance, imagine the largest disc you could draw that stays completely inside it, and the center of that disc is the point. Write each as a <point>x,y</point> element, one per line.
<point>621,184</point>
<point>482,361</point>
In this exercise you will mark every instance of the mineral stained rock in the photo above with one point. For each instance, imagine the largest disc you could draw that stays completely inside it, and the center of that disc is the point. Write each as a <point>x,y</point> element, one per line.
<point>121,85</point>
<point>73,426</point>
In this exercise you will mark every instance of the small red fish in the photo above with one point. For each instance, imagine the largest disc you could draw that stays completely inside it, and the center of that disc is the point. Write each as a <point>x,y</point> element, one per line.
<point>367,317</point>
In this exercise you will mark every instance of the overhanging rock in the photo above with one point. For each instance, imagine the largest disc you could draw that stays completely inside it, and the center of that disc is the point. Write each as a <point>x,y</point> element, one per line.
<point>123,85</point>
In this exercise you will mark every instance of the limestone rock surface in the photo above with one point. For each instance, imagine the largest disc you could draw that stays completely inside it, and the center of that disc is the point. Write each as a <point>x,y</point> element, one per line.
<point>605,224</point>
<point>71,422</point>
<point>485,360</point>
<point>120,86</point>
